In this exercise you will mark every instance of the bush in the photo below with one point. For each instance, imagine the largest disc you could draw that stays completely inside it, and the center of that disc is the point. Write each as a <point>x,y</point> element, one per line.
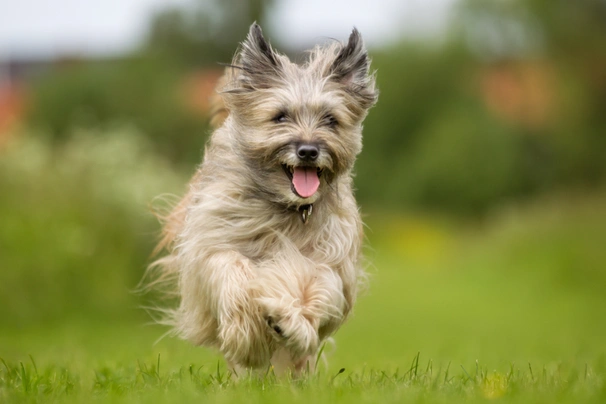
<point>141,91</point>
<point>465,161</point>
<point>76,232</point>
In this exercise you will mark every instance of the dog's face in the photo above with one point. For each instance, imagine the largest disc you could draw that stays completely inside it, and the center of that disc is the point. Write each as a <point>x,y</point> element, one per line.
<point>298,128</point>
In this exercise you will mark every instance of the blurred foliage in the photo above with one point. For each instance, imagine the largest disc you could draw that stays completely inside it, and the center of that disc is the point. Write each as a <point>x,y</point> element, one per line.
<point>434,140</point>
<point>148,88</point>
<point>205,33</point>
<point>142,91</point>
<point>430,141</point>
<point>77,231</point>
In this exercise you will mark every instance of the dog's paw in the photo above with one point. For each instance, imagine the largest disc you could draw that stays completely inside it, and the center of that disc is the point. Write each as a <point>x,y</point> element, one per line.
<point>294,332</point>
<point>244,341</point>
<point>275,327</point>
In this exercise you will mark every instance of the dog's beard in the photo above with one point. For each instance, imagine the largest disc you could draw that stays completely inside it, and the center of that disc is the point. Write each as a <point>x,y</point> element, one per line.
<point>291,181</point>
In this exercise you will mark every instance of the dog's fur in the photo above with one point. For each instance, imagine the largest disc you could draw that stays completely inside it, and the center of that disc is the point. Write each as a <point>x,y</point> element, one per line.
<point>260,275</point>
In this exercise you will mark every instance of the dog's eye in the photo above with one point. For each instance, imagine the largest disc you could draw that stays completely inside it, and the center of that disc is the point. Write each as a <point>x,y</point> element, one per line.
<point>279,118</point>
<point>330,121</point>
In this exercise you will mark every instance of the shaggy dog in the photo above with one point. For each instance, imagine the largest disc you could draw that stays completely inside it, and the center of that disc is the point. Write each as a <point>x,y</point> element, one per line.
<point>265,246</point>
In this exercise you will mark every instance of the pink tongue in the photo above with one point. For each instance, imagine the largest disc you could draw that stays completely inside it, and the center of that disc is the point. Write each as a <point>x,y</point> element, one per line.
<point>306,181</point>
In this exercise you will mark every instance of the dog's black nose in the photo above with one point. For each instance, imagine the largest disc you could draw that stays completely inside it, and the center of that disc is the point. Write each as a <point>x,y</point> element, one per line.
<point>308,152</point>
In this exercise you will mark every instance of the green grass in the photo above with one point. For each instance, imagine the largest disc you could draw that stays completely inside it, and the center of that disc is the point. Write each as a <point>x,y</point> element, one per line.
<point>419,382</point>
<point>509,308</point>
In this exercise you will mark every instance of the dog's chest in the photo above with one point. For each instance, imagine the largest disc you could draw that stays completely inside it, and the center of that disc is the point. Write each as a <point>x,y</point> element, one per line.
<point>322,239</point>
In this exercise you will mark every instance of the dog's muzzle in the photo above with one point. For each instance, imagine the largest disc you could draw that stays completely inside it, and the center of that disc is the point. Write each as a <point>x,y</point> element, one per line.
<point>304,175</point>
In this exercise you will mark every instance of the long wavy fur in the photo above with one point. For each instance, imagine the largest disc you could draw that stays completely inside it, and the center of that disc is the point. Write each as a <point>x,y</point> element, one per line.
<point>252,278</point>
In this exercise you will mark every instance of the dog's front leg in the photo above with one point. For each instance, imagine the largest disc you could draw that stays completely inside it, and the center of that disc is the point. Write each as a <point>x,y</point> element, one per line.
<point>241,332</point>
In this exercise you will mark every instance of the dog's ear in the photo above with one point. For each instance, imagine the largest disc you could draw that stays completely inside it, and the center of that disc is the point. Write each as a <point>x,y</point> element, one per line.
<point>351,68</point>
<point>257,59</point>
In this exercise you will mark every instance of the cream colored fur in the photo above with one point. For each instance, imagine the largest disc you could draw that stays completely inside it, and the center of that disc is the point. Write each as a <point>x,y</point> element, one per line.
<point>254,280</point>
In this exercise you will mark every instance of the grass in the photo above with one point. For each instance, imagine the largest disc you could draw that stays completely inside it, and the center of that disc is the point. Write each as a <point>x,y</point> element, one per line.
<point>509,308</point>
<point>455,312</point>
<point>146,381</point>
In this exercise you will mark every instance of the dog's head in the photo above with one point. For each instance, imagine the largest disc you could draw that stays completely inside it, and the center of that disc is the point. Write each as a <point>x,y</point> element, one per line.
<point>298,127</point>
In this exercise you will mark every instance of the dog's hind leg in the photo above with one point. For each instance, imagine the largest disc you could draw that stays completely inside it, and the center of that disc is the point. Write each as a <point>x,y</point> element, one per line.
<point>282,362</point>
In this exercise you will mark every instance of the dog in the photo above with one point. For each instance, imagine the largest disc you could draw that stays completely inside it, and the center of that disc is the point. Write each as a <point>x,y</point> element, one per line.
<point>265,247</point>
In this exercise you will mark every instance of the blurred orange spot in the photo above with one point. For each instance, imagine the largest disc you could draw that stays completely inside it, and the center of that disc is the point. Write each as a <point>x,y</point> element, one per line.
<point>520,93</point>
<point>199,88</point>
<point>12,106</point>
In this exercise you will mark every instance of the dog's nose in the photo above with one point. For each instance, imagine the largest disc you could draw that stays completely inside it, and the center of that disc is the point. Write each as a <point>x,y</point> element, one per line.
<point>308,152</point>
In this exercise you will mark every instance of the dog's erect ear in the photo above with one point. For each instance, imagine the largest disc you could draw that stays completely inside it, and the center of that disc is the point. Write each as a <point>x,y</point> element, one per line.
<point>351,64</point>
<point>351,68</point>
<point>256,57</point>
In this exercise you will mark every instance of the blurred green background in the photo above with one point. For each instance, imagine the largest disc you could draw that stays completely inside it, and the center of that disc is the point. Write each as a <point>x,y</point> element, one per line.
<point>482,182</point>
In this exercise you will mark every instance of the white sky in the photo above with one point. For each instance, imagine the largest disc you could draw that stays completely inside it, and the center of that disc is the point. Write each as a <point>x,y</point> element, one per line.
<point>380,21</point>
<point>46,27</point>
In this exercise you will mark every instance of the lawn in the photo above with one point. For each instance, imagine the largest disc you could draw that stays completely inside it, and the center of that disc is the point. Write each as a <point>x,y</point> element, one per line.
<point>508,308</point>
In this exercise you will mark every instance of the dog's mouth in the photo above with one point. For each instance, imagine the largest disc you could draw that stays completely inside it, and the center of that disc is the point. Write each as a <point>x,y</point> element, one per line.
<point>304,180</point>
